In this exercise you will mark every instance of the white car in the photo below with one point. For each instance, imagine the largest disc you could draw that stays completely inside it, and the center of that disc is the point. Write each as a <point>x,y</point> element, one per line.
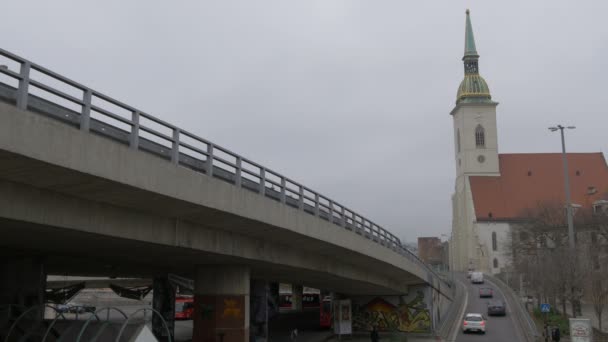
<point>477,278</point>
<point>474,322</point>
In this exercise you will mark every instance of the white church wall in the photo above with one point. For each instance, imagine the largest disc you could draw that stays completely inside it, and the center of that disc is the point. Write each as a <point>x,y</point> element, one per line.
<point>463,232</point>
<point>501,254</point>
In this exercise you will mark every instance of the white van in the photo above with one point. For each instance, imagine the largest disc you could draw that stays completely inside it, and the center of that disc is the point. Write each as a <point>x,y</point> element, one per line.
<point>477,278</point>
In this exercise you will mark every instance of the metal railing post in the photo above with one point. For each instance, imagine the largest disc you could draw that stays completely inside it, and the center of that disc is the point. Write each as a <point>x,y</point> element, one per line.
<point>317,212</point>
<point>85,116</point>
<point>301,204</point>
<point>330,210</point>
<point>262,181</point>
<point>209,159</point>
<point>343,217</point>
<point>134,137</point>
<point>175,147</point>
<point>283,185</point>
<point>24,84</point>
<point>237,172</point>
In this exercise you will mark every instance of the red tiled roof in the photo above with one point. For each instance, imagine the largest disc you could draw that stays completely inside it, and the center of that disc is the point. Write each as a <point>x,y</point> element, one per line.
<point>527,179</point>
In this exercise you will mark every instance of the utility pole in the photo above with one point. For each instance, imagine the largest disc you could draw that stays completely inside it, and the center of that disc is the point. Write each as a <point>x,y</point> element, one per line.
<point>566,185</point>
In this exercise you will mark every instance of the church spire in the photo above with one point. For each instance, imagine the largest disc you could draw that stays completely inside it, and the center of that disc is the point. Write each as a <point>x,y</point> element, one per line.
<point>473,88</point>
<point>469,40</point>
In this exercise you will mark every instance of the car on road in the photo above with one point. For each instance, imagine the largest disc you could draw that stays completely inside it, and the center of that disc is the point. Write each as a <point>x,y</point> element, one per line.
<point>497,308</point>
<point>477,278</point>
<point>486,292</point>
<point>469,273</point>
<point>62,308</point>
<point>474,322</point>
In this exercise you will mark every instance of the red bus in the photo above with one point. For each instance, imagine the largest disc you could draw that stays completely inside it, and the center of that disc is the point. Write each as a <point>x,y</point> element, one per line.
<point>325,313</point>
<point>184,307</point>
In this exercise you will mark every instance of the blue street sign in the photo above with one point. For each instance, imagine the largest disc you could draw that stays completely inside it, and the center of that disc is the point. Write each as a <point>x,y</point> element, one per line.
<point>544,307</point>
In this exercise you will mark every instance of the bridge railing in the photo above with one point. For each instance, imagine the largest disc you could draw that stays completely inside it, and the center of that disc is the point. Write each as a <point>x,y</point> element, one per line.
<point>44,91</point>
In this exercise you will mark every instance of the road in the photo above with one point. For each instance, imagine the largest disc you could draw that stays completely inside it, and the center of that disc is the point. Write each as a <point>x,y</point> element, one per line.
<point>498,328</point>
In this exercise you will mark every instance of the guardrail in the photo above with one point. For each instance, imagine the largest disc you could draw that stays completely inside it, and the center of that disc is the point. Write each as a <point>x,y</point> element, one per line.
<point>451,319</point>
<point>522,316</point>
<point>101,114</point>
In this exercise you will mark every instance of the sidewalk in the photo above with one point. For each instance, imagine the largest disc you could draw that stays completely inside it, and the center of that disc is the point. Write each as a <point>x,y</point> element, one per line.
<point>588,312</point>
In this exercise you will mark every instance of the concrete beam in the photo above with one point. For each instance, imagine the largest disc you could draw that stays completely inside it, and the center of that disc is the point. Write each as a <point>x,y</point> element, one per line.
<point>63,216</point>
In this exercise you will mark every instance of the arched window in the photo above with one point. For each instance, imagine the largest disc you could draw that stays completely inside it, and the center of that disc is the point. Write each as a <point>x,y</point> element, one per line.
<point>495,263</point>
<point>494,243</point>
<point>480,137</point>
<point>458,140</point>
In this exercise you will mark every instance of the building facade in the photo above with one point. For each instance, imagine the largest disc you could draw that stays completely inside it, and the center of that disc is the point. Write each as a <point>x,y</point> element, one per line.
<point>493,192</point>
<point>429,250</point>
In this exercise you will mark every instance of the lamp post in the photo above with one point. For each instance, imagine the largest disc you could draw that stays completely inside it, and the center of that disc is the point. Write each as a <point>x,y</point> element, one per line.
<point>566,183</point>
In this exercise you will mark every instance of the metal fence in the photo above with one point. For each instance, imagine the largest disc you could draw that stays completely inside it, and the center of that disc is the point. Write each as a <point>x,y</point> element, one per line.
<point>91,111</point>
<point>44,323</point>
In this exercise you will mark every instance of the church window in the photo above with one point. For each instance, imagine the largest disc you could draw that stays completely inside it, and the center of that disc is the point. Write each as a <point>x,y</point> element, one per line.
<point>495,263</point>
<point>494,242</point>
<point>480,137</point>
<point>458,140</point>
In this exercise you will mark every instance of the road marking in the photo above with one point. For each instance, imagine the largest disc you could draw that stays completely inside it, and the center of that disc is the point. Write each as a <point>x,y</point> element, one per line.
<point>508,309</point>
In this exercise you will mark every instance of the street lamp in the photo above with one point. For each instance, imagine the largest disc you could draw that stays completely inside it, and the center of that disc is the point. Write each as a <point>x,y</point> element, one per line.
<point>566,183</point>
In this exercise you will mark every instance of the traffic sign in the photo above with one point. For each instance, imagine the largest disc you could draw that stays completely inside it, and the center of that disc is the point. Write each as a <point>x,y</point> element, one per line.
<point>545,307</point>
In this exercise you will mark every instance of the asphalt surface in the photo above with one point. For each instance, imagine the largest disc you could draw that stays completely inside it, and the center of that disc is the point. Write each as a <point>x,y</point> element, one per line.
<point>498,328</point>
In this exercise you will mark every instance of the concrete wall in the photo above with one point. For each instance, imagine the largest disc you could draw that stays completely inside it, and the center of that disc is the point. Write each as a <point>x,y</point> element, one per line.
<point>407,313</point>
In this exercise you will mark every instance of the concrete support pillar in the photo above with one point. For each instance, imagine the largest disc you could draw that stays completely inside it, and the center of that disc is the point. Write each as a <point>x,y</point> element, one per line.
<point>163,301</point>
<point>259,312</point>
<point>273,300</point>
<point>221,304</point>
<point>297,291</point>
<point>23,281</point>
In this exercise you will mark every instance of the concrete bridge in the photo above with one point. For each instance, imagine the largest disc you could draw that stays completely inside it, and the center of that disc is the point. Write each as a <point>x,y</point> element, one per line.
<point>93,187</point>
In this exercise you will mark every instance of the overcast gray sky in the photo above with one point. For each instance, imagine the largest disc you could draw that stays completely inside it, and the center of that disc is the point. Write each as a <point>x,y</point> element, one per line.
<point>351,98</point>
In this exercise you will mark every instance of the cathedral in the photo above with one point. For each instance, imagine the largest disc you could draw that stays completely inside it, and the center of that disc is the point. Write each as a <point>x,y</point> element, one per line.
<point>493,190</point>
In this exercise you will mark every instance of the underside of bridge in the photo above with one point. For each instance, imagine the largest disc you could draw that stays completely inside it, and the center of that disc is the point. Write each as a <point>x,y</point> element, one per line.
<point>74,253</point>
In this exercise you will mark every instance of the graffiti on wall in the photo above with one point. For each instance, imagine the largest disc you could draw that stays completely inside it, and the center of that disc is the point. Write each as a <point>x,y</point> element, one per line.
<point>410,313</point>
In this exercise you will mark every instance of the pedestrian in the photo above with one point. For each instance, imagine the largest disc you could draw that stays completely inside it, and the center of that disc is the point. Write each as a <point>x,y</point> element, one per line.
<point>294,334</point>
<point>374,334</point>
<point>547,333</point>
<point>556,334</point>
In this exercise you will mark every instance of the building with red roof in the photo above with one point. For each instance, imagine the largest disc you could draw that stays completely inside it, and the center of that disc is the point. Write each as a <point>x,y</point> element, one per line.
<point>495,191</point>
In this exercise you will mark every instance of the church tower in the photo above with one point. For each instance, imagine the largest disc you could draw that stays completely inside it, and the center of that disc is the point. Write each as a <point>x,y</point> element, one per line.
<point>476,152</point>
<point>475,136</point>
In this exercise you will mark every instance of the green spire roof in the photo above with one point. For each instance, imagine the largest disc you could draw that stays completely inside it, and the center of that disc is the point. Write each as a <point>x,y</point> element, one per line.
<point>473,88</point>
<point>469,39</point>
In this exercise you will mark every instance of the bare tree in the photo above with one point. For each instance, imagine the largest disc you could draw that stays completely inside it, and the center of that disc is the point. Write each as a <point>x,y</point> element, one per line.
<point>553,271</point>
